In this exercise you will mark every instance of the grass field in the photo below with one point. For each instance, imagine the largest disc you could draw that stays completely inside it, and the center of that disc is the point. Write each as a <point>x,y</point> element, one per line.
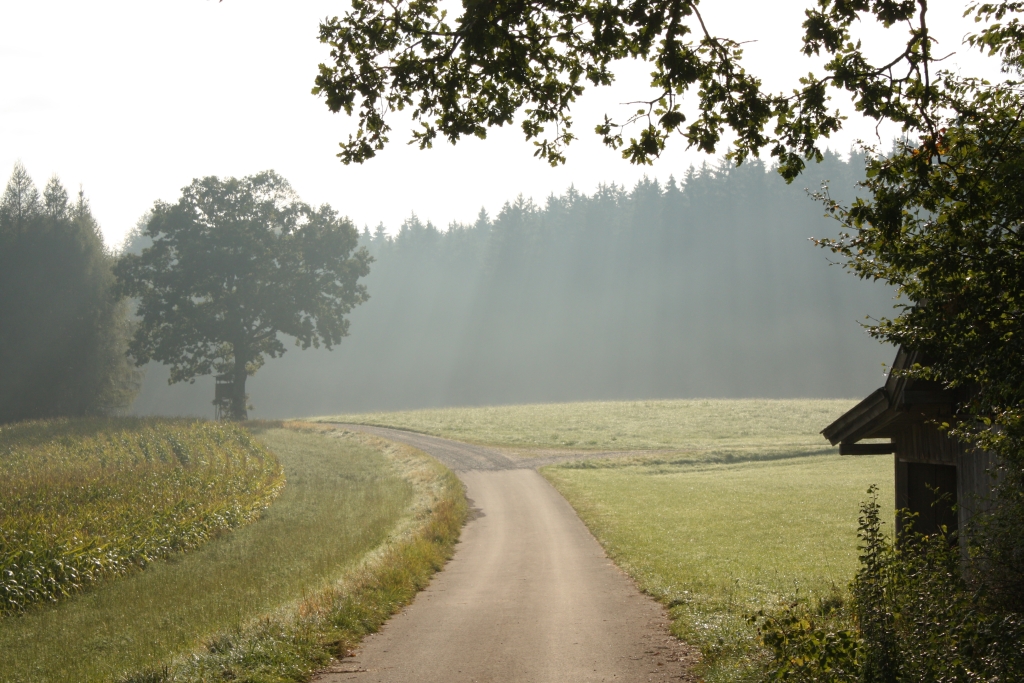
<point>343,498</point>
<point>727,507</point>
<point>742,427</point>
<point>718,542</point>
<point>87,499</point>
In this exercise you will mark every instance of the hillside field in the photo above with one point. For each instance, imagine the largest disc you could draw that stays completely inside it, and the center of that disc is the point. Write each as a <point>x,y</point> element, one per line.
<point>83,500</point>
<point>328,561</point>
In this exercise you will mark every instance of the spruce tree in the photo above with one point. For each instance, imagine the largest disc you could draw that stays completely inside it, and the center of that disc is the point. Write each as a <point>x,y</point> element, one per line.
<point>63,333</point>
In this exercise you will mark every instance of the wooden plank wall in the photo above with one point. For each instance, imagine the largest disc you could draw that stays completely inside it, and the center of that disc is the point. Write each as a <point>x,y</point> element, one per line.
<point>977,476</point>
<point>977,471</point>
<point>918,442</point>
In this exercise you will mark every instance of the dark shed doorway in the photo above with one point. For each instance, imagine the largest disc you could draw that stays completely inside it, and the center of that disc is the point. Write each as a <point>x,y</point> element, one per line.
<point>931,493</point>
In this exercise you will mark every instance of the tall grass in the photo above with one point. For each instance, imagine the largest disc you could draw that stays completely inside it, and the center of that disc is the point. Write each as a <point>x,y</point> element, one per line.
<point>291,644</point>
<point>343,499</point>
<point>743,425</point>
<point>82,500</point>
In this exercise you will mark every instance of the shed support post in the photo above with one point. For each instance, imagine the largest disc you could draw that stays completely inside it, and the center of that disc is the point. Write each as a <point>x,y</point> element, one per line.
<point>902,499</point>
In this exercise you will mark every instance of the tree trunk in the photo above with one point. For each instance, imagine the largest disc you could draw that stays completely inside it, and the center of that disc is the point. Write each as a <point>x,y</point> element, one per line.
<point>238,407</point>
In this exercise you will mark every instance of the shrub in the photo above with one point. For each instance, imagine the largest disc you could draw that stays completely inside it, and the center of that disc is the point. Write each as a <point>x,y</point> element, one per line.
<point>914,617</point>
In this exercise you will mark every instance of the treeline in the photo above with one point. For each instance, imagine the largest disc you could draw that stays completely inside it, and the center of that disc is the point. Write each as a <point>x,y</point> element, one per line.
<point>702,286</point>
<point>63,332</point>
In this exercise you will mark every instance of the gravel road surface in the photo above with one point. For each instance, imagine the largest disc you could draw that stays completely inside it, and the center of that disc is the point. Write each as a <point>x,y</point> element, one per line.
<point>529,597</point>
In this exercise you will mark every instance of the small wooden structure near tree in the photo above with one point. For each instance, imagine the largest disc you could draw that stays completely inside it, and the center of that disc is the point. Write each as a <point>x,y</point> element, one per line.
<point>938,477</point>
<point>223,391</point>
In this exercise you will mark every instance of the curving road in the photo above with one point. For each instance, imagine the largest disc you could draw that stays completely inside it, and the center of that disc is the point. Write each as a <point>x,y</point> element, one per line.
<point>529,597</point>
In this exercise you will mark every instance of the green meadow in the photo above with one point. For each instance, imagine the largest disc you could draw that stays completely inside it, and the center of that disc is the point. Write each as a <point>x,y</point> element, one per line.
<point>719,508</point>
<point>342,499</point>
<point>753,427</point>
<point>719,542</point>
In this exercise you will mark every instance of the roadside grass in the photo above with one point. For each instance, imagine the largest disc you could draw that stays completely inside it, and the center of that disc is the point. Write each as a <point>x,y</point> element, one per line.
<point>718,508</point>
<point>293,643</point>
<point>717,542</point>
<point>358,529</point>
<point>743,427</point>
<point>82,500</point>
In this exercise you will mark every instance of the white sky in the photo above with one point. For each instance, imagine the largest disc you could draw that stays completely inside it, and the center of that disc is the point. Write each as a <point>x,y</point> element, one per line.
<point>132,100</point>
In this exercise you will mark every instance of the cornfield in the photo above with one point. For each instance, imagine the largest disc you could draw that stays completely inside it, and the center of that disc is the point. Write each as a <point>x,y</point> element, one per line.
<point>84,500</point>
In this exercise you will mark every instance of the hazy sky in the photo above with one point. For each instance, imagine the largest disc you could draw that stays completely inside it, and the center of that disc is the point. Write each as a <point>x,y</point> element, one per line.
<point>132,100</point>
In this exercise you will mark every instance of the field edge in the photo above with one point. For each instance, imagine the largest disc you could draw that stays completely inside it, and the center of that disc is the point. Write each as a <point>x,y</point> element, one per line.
<point>301,639</point>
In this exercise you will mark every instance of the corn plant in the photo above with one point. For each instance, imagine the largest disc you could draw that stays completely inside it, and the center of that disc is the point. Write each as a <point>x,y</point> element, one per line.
<point>84,500</point>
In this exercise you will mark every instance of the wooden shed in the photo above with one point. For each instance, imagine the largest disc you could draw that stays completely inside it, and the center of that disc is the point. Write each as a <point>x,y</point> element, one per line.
<point>928,462</point>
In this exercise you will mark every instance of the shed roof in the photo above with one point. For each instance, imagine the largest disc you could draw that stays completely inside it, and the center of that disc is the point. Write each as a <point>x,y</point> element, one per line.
<point>888,407</point>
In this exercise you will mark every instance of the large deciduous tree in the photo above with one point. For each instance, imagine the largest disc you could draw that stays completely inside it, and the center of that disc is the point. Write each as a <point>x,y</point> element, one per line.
<point>63,332</point>
<point>233,264</point>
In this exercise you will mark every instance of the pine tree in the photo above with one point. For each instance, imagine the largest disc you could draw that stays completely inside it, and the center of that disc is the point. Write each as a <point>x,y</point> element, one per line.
<point>63,334</point>
<point>20,201</point>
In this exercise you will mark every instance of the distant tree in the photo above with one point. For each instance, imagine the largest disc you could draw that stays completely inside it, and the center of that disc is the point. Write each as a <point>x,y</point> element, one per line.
<point>232,264</point>
<point>20,202</point>
<point>63,332</point>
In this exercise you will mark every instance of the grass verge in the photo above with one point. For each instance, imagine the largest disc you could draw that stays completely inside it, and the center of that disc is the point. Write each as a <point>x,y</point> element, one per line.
<point>717,542</point>
<point>358,530</point>
<point>744,427</point>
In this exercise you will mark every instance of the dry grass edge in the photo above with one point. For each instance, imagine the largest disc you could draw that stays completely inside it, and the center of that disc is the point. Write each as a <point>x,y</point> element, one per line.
<point>298,640</point>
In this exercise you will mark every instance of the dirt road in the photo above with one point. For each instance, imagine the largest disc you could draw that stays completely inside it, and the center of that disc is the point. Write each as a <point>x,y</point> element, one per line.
<point>529,597</point>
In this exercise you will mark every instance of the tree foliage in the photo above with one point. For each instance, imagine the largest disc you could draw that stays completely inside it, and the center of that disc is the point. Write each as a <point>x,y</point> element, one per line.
<point>940,214</point>
<point>496,61</point>
<point>63,332</point>
<point>940,217</point>
<point>232,264</point>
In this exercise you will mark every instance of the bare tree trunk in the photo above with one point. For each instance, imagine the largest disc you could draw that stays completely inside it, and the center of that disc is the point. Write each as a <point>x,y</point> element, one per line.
<point>238,402</point>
